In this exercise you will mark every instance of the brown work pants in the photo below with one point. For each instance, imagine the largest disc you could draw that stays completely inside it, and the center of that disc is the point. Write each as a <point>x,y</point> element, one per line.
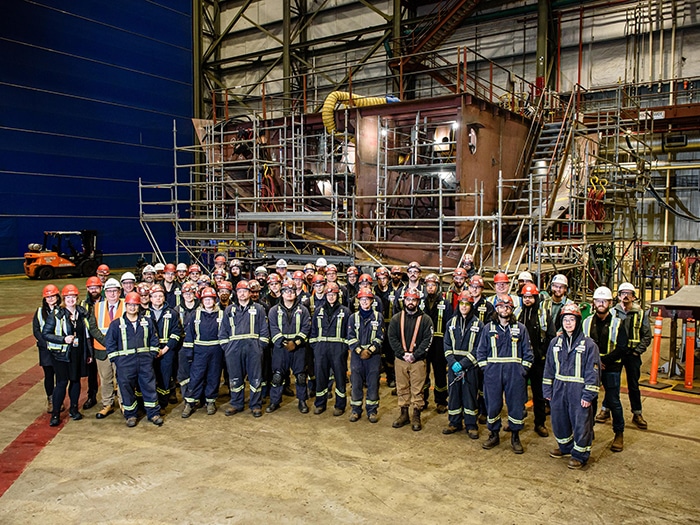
<point>410,379</point>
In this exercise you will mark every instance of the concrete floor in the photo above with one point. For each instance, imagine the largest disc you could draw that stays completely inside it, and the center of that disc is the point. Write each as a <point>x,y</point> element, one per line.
<point>297,468</point>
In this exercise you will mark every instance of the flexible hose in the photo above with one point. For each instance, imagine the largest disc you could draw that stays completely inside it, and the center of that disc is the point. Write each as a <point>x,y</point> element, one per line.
<point>343,98</point>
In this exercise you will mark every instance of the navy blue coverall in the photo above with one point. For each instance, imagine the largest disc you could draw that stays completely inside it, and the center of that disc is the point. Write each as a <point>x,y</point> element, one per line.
<point>365,330</point>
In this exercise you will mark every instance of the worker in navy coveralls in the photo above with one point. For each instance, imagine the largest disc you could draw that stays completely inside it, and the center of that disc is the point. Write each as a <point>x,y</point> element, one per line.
<point>329,328</point>
<point>290,324</point>
<point>505,356</point>
<point>244,333</point>
<point>571,383</point>
<point>461,337</point>
<point>132,345</point>
<point>365,337</point>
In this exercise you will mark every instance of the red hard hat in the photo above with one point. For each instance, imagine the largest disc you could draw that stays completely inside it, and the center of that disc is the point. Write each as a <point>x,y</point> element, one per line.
<point>352,270</point>
<point>381,272</point>
<point>194,268</point>
<point>225,285</point>
<point>477,280</point>
<point>103,269</point>
<point>366,278</point>
<point>143,289</point>
<point>50,290</point>
<point>411,293</point>
<point>396,269</point>
<point>298,275</point>
<point>155,289</point>
<point>132,298</point>
<point>465,296</point>
<point>219,271</point>
<point>530,289</point>
<point>432,278</point>
<point>319,279</point>
<point>288,284</point>
<point>331,268</point>
<point>365,292</point>
<point>274,278</point>
<point>501,277</point>
<point>505,300</point>
<point>70,289</point>
<point>170,267</point>
<point>208,292</point>
<point>460,272</point>
<point>253,285</point>
<point>220,256</point>
<point>412,265</point>
<point>570,309</point>
<point>332,288</point>
<point>189,287</point>
<point>93,281</point>
<point>242,285</point>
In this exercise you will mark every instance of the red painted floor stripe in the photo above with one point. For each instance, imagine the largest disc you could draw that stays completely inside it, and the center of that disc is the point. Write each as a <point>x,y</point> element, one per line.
<point>16,324</point>
<point>14,349</point>
<point>20,386</point>
<point>21,452</point>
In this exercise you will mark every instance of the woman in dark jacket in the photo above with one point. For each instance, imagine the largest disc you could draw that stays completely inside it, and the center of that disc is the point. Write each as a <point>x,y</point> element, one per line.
<point>50,301</point>
<point>67,338</point>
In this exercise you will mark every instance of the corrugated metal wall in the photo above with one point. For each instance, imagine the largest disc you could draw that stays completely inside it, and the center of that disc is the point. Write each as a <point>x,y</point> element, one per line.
<point>88,94</point>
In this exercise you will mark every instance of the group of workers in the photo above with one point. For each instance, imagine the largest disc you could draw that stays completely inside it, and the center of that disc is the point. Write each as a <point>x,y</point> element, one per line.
<point>180,326</point>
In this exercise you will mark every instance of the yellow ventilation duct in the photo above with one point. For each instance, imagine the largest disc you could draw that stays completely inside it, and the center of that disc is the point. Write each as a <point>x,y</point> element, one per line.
<point>343,98</point>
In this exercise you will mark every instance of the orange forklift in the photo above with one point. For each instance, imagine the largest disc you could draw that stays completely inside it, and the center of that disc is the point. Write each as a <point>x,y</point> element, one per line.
<point>63,253</point>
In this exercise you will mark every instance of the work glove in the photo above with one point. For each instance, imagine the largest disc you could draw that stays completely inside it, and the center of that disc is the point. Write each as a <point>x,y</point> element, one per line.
<point>457,367</point>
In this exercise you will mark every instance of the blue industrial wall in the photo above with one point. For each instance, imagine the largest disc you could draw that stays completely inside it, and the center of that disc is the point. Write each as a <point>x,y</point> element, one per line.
<point>89,90</point>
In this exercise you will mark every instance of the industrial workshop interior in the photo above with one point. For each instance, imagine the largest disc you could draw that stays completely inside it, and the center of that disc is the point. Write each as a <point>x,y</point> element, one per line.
<point>350,261</point>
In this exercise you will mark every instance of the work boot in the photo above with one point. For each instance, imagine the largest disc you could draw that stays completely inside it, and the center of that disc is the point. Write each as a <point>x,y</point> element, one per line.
<point>49,404</point>
<point>639,421</point>
<point>481,419</point>
<point>473,433</point>
<point>373,418</point>
<point>441,409</point>
<point>257,412</point>
<point>55,421</point>
<point>618,443</point>
<point>211,408</point>
<point>574,464</point>
<point>75,415</point>
<point>303,407</point>
<point>415,421</point>
<point>131,422</point>
<point>90,402</point>
<point>157,421</point>
<point>354,417</point>
<point>104,412</point>
<point>515,442</point>
<point>187,410</point>
<point>319,410</point>
<point>403,418</point>
<point>271,408</point>
<point>492,441</point>
<point>450,429</point>
<point>230,410</point>
<point>542,431</point>
<point>557,454</point>
<point>338,411</point>
<point>602,416</point>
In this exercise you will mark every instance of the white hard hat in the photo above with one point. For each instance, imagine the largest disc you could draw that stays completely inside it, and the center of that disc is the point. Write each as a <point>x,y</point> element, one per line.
<point>626,287</point>
<point>603,292</point>
<point>321,262</point>
<point>127,276</point>
<point>261,269</point>
<point>112,283</point>
<point>281,263</point>
<point>182,267</point>
<point>148,269</point>
<point>560,279</point>
<point>159,267</point>
<point>525,276</point>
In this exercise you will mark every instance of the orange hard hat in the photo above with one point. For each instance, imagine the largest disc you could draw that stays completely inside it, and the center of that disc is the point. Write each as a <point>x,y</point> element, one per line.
<point>50,290</point>
<point>132,298</point>
<point>70,289</point>
<point>93,281</point>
